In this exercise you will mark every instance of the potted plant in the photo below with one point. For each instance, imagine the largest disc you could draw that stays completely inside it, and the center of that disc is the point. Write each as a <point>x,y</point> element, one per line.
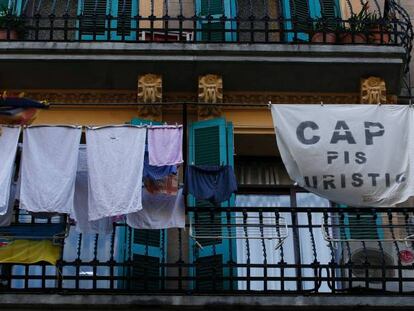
<point>379,28</point>
<point>324,31</point>
<point>355,31</point>
<point>11,24</point>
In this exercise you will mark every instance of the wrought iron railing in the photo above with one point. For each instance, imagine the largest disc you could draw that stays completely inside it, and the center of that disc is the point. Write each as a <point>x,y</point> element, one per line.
<point>267,21</point>
<point>252,250</point>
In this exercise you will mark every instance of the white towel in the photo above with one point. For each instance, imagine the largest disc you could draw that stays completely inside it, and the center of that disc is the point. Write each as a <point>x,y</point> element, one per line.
<point>48,169</point>
<point>160,211</point>
<point>80,208</point>
<point>9,138</point>
<point>6,219</point>
<point>115,165</point>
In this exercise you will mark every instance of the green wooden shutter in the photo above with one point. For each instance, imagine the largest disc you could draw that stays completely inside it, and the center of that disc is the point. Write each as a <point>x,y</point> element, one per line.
<point>212,7</point>
<point>147,254</point>
<point>211,143</point>
<point>304,12</point>
<point>360,226</point>
<point>138,121</point>
<point>301,13</point>
<point>120,27</point>
<point>214,30</point>
<point>93,19</point>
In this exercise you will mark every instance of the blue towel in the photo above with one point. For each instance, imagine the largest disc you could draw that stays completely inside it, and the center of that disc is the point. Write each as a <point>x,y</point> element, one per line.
<point>213,183</point>
<point>157,172</point>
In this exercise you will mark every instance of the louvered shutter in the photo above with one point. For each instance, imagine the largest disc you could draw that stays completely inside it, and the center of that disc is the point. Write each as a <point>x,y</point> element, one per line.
<point>300,14</point>
<point>361,226</point>
<point>147,256</point>
<point>93,20</point>
<point>94,24</point>
<point>213,30</point>
<point>211,143</point>
<point>124,14</point>
<point>212,7</point>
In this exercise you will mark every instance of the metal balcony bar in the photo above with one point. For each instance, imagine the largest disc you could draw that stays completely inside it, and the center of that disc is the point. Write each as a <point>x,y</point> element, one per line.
<point>161,261</point>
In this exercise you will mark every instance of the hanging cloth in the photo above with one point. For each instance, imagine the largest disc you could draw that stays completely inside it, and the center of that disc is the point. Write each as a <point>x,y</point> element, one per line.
<point>157,172</point>
<point>6,219</point>
<point>115,165</point>
<point>165,145</point>
<point>9,138</point>
<point>48,169</point>
<point>81,207</point>
<point>213,183</point>
<point>159,211</point>
<point>29,252</point>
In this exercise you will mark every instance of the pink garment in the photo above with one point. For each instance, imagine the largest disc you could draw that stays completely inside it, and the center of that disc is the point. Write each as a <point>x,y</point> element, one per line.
<point>165,145</point>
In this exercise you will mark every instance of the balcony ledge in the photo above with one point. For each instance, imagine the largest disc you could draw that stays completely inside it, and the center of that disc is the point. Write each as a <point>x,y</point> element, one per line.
<point>279,302</point>
<point>245,67</point>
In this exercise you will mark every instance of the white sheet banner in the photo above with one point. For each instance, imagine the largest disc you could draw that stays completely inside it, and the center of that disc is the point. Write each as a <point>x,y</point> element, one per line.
<point>358,155</point>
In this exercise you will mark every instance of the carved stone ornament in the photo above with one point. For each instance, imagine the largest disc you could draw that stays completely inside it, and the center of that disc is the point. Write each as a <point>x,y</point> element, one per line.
<point>150,92</point>
<point>373,91</point>
<point>210,91</point>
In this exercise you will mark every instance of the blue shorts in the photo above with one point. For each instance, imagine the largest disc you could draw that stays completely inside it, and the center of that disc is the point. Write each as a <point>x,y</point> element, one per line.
<point>208,182</point>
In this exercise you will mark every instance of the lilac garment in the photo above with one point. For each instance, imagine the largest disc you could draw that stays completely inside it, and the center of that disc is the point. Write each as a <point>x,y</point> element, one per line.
<point>165,145</point>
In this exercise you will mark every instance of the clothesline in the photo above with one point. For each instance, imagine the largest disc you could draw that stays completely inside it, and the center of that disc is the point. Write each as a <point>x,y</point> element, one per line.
<point>166,104</point>
<point>95,127</point>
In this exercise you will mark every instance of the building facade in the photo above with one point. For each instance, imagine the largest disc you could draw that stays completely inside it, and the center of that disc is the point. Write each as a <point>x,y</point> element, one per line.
<point>213,66</point>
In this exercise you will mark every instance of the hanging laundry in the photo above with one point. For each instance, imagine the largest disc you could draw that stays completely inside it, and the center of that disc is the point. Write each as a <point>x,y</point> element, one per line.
<point>213,183</point>
<point>167,185</point>
<point>81,207</point>
<point>159,211</point>
<point>6,219</point>
<point>115,166</point>
<point>48,169</point>
<point>157,172</point>
<point>165,145</point>
<point>9,138</point>
<point>29,252</point>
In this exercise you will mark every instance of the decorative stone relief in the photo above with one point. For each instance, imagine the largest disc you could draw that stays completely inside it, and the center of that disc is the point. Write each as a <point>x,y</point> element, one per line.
<point>150,92</point>
<point>373,91</point>
<point>210,91</point>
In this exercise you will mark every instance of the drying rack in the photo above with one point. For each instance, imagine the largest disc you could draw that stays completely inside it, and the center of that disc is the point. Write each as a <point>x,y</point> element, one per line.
<point>221,226</point>
<point>37,229</point>
<point>368,228</point>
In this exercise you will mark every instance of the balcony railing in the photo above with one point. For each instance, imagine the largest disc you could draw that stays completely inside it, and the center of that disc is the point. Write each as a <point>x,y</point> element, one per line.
<point>245,249</point>
<point>268,21</point>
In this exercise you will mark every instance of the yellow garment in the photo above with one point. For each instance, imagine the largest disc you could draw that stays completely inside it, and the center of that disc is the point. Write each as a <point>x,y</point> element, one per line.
<point>28,252</point>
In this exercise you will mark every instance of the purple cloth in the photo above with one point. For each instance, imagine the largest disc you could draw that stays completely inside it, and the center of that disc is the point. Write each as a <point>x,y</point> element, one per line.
<point>165,145</point>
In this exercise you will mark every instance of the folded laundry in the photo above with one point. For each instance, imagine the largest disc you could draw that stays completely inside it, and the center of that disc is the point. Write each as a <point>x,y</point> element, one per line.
<point>9,138</point>
<point>48,169</point>
<point>165,145</point>
<point>115,157</point>
<point>213,183</point>
<point>160,211</point>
